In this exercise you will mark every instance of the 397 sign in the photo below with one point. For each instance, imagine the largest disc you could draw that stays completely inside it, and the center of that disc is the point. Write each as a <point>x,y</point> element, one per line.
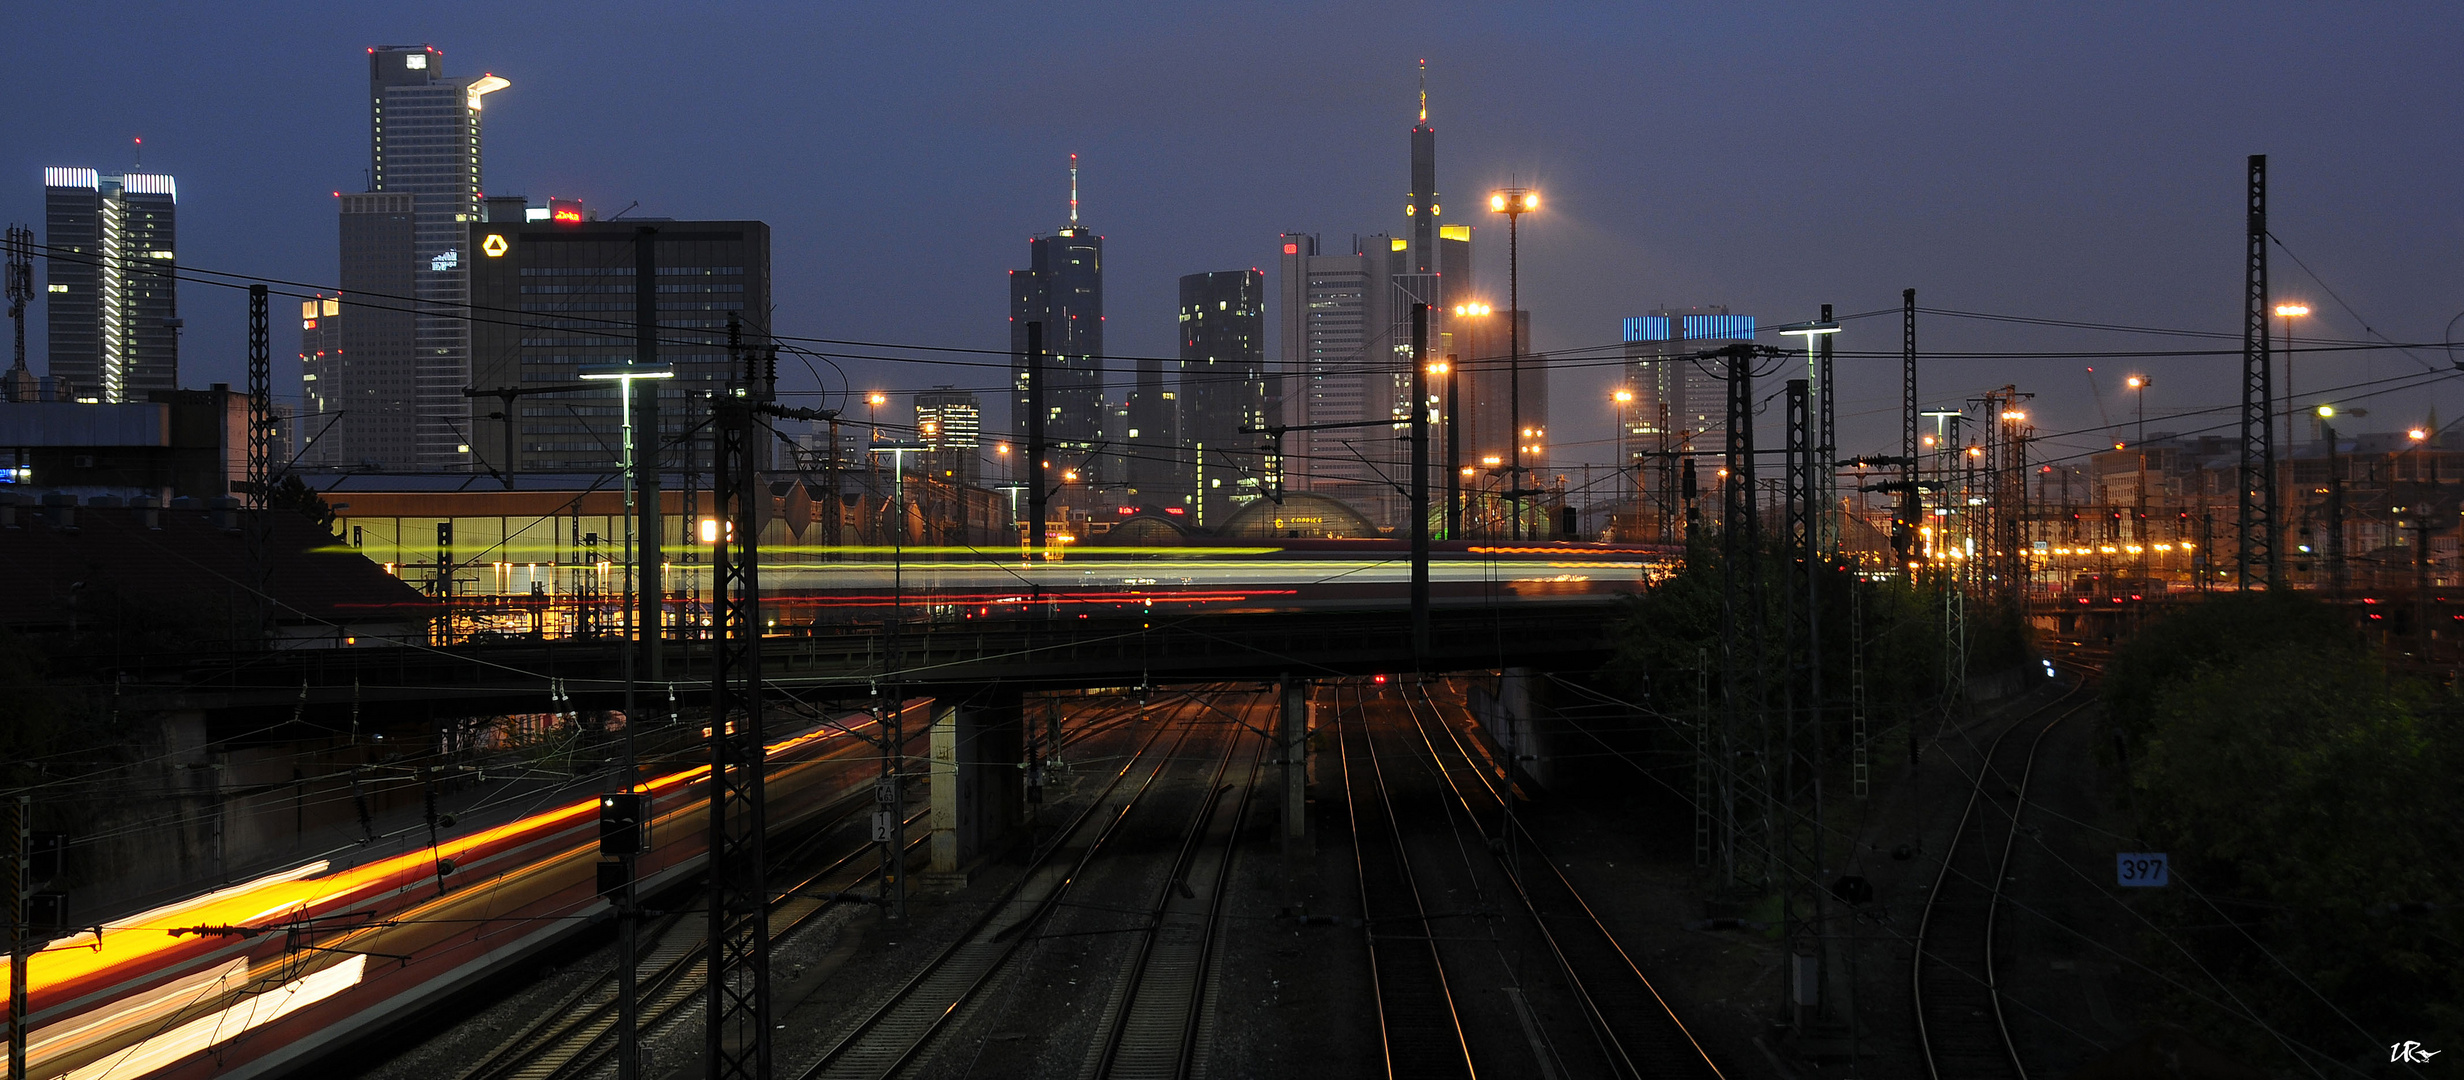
<point>2141,870</point>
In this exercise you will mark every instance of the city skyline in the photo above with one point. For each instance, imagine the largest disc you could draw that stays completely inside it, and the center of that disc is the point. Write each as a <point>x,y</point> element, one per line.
<point>1993,221</point>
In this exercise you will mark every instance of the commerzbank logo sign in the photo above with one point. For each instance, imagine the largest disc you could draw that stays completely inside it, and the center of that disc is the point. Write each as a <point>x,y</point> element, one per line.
<point>494,245</point>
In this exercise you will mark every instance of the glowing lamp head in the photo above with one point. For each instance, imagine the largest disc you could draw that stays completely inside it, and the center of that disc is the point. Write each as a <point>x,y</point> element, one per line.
<point>1624,396</point>
<point>2137,382</point>
<point>2327,412</point>
<point>2417,434</point>
<point>877,399</point>
<point>2292,310</point>
<point>1497,203</point>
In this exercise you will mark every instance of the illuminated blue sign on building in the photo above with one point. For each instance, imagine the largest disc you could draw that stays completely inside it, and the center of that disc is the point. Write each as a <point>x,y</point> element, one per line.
<point>1695,328</point>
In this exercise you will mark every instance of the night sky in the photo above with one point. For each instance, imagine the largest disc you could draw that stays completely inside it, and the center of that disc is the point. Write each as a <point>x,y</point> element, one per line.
<point>2073,162</point>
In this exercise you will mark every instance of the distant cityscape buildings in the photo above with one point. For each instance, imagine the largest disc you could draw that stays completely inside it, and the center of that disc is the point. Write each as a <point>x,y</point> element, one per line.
<point>113,299</point>
<point>462,322</point>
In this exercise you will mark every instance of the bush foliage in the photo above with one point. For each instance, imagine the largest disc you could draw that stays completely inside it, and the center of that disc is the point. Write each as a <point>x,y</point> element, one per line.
<point>2310,802</point>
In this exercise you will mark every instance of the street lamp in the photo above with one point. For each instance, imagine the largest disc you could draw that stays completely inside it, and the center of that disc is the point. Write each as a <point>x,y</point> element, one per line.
<point>2289,312</point>
<point>1514,202</point>
<point>1814,332</point>
<point>624,376</point>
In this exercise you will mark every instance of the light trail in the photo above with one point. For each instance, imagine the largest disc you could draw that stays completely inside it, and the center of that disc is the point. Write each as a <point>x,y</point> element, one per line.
<point>151,991</point>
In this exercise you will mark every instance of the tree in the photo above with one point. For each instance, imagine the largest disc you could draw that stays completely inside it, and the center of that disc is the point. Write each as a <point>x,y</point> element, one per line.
<point>294,494</point>
<point>2309,803</point>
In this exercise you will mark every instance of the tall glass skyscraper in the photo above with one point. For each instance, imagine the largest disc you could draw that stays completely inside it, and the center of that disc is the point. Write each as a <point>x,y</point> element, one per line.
<point>113,302</point>
<point>1224,392</point>
<point>1062,288</point>
<point>424,143</point>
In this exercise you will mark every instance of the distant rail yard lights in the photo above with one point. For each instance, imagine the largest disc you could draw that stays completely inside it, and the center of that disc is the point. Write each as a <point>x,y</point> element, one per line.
<point>1514,202</point>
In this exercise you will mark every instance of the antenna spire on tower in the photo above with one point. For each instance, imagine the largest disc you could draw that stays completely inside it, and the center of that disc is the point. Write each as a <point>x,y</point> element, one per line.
<point>1424,92</point>
<point>1073,191</point>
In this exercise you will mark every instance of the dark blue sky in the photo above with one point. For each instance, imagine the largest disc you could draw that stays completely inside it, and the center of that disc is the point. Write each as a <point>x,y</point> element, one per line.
<point>2079,162</point>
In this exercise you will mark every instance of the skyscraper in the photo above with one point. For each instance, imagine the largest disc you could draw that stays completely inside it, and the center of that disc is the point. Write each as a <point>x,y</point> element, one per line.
<point>361,398</point>
<point>1485,376</point>
<point>950,421</point>
<point>1694,393</point>
<point>424,142</point>
<point>113,300</point>
<point>320,353</point>
<point>1062,288</point>
<point>1422,206</point>
<point>572,282</point>
<point>1226,392</point>
<point>1153,457</point>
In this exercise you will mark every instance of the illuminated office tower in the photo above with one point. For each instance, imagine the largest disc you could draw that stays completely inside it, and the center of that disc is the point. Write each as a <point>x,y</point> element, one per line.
<point>951,423</point>
<point>561,290</point>
<point>1062,288</point>
<point>113,299</point>
<point>424,142</point>
<point>360,410</point>
<point>1694,394</point>
<point>1225,393</point>
<point>320,354</point>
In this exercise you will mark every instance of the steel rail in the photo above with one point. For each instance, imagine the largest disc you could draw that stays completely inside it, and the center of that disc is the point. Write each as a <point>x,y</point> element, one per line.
<point>571,1038</point>
<point>1407,975</point>
<point>1589,992</point>
<point>1933,1036</point>
<point>1155,1024</point>
<point>890,1037</point>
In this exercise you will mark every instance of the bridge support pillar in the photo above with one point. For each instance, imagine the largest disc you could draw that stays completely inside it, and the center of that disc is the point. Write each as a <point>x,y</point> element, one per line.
<point>1511,714</point>
<point>978,788</point>
<point>1293,736</point>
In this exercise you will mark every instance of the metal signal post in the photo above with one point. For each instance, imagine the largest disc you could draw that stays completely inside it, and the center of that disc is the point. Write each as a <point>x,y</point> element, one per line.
<point>736,1037</point>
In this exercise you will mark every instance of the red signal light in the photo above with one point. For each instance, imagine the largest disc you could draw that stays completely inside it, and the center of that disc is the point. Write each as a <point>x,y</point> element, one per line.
<point>1380,680</point>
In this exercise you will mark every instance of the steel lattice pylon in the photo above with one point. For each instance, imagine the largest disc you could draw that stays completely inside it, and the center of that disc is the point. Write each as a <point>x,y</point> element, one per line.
<point>737,1037</point>
<point>2257,563</point>
<point>260,454</point>
<point>1911,496</point>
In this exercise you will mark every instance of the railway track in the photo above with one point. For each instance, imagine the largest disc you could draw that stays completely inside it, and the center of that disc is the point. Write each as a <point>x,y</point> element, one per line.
<point>1960,1025</point>
<point>896,1033</point>
<point>1156,1026</point>
<point>1636,1031</point>
<point>1419,1026</point>
<point>580,1034</point>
